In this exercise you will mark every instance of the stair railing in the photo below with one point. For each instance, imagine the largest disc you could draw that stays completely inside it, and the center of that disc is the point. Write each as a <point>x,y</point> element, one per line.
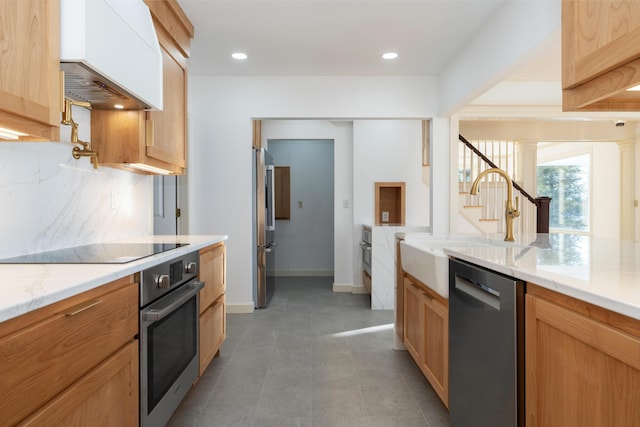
<point>497,199</point>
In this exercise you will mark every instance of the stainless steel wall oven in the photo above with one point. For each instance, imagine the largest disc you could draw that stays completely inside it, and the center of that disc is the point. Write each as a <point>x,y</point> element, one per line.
<point>169,298</point>
<point>365,244</point>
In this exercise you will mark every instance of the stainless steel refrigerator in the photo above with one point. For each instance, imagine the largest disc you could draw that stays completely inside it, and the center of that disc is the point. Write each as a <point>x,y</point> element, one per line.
<point>264,220</point>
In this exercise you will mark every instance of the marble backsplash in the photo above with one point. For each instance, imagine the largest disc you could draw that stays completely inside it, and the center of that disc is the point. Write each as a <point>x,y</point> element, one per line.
<point>49,200</point>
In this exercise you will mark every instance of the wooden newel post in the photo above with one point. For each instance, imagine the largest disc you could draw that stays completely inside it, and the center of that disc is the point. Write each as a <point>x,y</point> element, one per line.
<point>542,223</point>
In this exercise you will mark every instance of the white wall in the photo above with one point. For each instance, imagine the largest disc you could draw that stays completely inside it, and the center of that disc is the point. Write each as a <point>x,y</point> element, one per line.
<point>51,200</point>
<point>386,151</point>
<point>305,240</point>
<point>515,32</point>
<point>221,110</point>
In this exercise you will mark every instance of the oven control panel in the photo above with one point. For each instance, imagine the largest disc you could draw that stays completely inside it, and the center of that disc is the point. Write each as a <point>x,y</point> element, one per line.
<point>164,277</point>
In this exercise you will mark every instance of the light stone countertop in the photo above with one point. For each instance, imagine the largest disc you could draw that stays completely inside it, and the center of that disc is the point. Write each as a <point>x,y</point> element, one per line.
<point>603,272</point>
<point>27,287</point>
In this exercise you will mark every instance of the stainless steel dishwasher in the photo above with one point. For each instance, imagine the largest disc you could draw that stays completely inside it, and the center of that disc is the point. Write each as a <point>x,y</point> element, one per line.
<point>486,338</point>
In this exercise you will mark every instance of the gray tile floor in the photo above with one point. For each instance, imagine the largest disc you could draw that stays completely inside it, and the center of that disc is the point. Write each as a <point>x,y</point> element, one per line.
<point>312,358</point>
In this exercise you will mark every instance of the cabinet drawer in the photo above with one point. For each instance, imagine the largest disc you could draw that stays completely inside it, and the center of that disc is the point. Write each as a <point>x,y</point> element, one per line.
<point>212,273</point>
<point>42,358</point>
<point>213,328</point>
<point>107,395</point>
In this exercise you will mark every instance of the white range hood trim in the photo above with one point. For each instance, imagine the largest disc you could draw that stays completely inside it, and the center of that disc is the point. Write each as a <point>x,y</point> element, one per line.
<point>117,40</point>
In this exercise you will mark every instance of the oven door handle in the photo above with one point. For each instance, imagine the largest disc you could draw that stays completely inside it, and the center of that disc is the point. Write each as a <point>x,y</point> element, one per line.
<point>175,300</point>
<point>366,246</point>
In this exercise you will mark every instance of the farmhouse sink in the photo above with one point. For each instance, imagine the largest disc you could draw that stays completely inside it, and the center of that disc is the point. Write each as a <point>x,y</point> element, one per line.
<point>425,260</point>
<point>423,256</point>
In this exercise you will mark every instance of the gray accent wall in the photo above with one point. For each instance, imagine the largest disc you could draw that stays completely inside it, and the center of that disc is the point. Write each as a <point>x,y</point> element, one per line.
<point>305,242</point>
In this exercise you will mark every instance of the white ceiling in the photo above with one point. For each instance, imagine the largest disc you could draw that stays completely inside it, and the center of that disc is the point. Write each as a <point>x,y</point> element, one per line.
<point>331,38</point>
<point>347,37</point>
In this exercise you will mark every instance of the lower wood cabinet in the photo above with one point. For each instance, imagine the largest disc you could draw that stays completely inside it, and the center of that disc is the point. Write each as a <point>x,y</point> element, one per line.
<point>426,333</point>
<point>413,333</point>
<point>213,323</point>
<point>212,332</point>
<point>73,359</point>
<point>435,346</point>
<point>582,363</point>
<point>106,396</point>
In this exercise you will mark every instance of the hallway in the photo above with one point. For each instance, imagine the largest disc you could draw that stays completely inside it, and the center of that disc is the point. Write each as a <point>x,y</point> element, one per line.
<point>312,358</point>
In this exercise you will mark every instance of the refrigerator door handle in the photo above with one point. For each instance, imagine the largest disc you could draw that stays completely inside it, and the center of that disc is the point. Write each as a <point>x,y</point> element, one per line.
<point>268,248</point>
<point>271,201</point>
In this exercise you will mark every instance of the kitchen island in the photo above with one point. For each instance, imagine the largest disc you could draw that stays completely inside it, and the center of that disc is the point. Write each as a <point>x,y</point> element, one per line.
<point>603,272</point>
<point>581,334</point>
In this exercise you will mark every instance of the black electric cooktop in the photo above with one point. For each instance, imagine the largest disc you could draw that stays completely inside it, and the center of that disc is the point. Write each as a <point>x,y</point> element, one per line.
<point>99,253</point>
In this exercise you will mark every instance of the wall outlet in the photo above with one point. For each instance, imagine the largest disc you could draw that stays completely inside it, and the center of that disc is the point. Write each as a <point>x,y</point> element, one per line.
<point>385,216</point>
<point>345,203</point>
<point>299,204</point>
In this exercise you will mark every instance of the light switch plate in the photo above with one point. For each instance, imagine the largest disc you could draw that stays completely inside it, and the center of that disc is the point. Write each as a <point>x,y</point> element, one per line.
<point>385,216</point>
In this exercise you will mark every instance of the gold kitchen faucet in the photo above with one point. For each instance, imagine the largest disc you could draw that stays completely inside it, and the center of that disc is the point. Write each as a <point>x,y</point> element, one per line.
<point>511,212</point>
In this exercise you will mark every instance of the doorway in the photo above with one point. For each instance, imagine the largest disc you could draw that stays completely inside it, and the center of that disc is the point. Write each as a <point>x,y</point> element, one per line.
<point>165,205</point>
<point>306,239</point>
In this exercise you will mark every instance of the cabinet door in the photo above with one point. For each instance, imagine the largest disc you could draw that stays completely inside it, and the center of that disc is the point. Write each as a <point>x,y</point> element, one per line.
<point>413,333</point>
<point>30,63</point>
<point>435,351</point>
<point>600,55</point>
<point>213,331</point>
<point>598,36</point>
<point>43,358</point>
<point>213,274</point>
<point>169,140</point>
<point>579,372</point>
<point>106,396</point>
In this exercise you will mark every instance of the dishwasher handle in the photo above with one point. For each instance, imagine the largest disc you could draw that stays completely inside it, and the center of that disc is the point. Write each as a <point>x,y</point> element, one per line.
<point>478,291</point>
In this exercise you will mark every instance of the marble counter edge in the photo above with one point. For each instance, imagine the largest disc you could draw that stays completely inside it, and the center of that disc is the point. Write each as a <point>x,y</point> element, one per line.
<point>33,286</point>
<point>554,283</point>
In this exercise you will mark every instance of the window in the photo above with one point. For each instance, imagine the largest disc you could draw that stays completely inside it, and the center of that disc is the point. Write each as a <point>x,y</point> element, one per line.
<point>566,181</point>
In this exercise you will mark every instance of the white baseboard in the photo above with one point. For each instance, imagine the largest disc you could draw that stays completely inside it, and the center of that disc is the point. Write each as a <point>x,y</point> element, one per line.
<point>359,289</point>
<point>240,308</point>
<point>348,288</point>
<point>397,343</point>
<point>303,273</point>
<point>341,287</point>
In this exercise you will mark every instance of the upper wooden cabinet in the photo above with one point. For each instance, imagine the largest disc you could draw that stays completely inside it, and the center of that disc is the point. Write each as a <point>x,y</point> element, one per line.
<point>600,55</point>
<point>156,139</point>
<point>282,182</point>
<point>30,69</point>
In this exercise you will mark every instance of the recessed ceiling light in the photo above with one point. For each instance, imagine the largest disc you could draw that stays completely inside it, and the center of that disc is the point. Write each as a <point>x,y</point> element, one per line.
<point>118,106</point>
<point>389,55</point>
<point>239,55</point>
